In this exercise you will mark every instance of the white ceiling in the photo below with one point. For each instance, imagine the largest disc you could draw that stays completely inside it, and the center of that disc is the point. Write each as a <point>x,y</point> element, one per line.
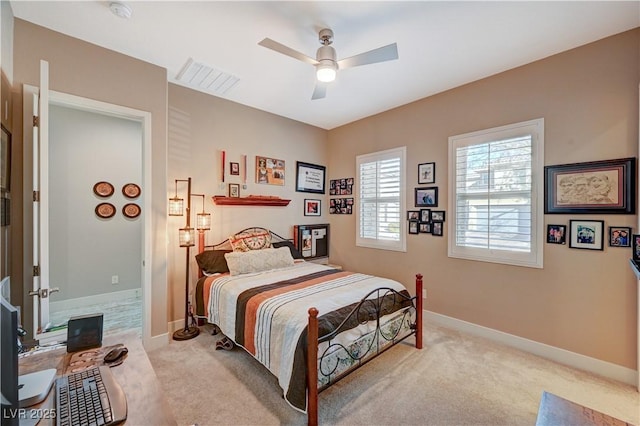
<point>441,45</point>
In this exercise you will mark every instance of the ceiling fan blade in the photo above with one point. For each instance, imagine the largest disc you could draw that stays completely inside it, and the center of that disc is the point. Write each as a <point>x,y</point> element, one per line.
<point>381,54</point>
<point>320,91</point>
<point>281,48</point>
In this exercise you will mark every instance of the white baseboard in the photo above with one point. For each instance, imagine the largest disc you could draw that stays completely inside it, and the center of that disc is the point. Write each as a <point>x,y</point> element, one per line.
<point>114,296</point>
<point>562,356</point>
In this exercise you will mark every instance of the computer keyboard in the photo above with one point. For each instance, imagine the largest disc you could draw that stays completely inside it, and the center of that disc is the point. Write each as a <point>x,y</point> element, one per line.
<point>90,397</point>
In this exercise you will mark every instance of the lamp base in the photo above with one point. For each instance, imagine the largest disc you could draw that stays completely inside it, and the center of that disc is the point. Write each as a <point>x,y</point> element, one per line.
<point>186,333</point>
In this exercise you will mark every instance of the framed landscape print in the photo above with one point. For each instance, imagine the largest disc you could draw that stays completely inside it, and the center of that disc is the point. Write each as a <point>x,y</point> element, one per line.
<point>596,187</point>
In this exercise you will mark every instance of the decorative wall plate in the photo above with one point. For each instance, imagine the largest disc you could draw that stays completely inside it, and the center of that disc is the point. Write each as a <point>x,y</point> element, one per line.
<point>105,210</point>
<point>131,190</point>
<point>131,210</point>
<point>103,189</point>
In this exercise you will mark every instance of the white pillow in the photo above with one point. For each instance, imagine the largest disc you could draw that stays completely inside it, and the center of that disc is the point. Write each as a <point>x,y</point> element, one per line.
<point>247,262</point>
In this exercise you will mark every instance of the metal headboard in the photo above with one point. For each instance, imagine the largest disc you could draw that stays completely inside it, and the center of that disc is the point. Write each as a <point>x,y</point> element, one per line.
<point>226,244</point>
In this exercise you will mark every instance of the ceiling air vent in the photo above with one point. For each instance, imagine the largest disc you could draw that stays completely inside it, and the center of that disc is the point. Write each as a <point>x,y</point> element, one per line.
<point>206,78</point>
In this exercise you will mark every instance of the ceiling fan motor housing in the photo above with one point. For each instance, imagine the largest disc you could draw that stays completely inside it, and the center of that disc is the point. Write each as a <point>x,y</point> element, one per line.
<point>325,36</point>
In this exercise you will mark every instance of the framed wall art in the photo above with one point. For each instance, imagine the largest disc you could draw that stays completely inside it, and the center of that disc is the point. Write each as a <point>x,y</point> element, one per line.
<point>556,234</point>
<point>234,190</point>
<point>312,207</point>
<point>342,186</point>
<point>427,196</point>
<point>414,227</point>
<point>596,187</point>
<point>427,173</point>
<point>341,206</point>
<point>619,236</point>
<point>234,169</point>
<point>269,171</point>
<point>586,234</point>
<point>310,177</point>
<point>635,255</point>
<point>5,160</point>
<point>413,215</point>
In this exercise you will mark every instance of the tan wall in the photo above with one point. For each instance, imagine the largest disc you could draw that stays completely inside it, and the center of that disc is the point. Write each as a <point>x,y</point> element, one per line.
<point>86,70</point>
<point>200,126</point>
<point>583,301</point>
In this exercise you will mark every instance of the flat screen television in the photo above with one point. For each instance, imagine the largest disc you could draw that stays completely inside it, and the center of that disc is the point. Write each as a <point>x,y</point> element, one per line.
<point>9,362</point>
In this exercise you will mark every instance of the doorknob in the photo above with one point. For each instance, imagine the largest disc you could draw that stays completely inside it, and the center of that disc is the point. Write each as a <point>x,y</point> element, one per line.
<point>44,292</point>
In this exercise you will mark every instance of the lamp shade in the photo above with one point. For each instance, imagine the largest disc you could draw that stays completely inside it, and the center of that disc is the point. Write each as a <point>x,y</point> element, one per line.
<point>203,221</point>
<point>176,206</point>
<point>187,237</point>
<point>326,71</point>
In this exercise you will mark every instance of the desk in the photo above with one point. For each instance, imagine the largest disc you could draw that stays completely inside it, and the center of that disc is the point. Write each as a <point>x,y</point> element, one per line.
<point>555,411</point>
<point>146,404</point>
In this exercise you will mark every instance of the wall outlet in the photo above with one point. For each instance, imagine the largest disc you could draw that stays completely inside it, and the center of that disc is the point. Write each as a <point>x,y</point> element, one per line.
<point>115,279</point>
<point>424,293</point>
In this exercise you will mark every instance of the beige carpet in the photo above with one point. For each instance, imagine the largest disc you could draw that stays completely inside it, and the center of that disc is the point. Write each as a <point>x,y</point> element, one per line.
<point>456,379</point>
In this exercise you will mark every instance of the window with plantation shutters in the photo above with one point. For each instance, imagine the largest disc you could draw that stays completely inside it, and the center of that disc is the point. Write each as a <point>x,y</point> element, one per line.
<point>496,194</point>
<point>381,199</point>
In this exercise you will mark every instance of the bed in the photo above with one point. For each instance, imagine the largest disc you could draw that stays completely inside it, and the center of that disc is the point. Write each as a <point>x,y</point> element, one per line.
<point>309,324</point>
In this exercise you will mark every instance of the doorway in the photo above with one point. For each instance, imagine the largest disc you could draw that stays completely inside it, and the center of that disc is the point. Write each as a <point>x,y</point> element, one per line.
<point>96,259</point>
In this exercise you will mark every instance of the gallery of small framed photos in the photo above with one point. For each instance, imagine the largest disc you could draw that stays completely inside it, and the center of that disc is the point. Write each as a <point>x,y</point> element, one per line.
<point>337,187</point>
<point>426,220</point>
<point>590,235</point>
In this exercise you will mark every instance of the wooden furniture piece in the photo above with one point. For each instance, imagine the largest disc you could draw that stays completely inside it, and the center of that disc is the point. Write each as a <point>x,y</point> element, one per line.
<point>555,411</point>
<point>250,201</point>
<point>146,404</point>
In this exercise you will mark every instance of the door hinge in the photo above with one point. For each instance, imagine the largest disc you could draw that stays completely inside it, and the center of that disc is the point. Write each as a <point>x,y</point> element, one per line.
<point>36,270</point>
<point>36,195</point>
<point>36,121</point>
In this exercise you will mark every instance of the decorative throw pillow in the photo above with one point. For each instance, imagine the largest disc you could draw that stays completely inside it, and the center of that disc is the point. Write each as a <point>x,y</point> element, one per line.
<point>250,240</point>
<point>295,253</point>
<point>213,261</point>
<point>258,260</point>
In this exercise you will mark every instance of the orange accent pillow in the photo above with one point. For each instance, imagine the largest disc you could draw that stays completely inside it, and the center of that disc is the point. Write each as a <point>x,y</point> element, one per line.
<point>247,241</point>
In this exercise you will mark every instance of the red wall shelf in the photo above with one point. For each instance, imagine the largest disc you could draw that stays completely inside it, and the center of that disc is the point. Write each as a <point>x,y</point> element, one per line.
<point>249,201</point>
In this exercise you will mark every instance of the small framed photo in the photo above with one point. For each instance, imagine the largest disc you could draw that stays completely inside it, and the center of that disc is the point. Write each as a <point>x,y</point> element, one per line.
<point>413,215</point>
<point>234,169</point>
<point>586,234</point>
<point>619,236</point>
<point>425,228</point>
<point>234,190</point>
<point>427,196</point>
<point>437,215</point>
<point>437,228</point>
<point>311,207</point>
<point>413,227</point>
<point>425,215</point>
<point>556,234</point>
<point>427,173</point>
<point>636,247</point>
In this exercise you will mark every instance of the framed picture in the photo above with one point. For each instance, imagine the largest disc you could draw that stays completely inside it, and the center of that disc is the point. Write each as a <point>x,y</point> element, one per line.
<point>311,207</point>
<point>413,215</point>
<point>596,187</point>
<point>425,228</point>
<point>341,206</point>
<point>234,169</point>
<point>425,215</point>
<point>437,215</point>
<point>342,186</point>
<point>427,196</point>
<point>556,234</point>
<point>413,227</point>
<point>437,228</point>
<point>586,234</point>
<point>270,171</point>
<point>310,177</point>
<point>619,236</point>
<point>5,161</point>
<point>427,173</point>
<point>635,238</point>
<point>234,190</point>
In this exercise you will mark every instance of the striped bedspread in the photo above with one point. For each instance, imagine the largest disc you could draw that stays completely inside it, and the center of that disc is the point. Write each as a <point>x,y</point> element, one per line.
<point>267,313</point>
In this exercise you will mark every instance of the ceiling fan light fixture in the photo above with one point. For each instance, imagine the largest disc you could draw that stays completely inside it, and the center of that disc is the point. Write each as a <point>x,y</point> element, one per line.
<point>326,71</point>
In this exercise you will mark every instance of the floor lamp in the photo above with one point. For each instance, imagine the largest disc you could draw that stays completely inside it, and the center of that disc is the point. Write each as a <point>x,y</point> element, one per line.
<point>187,240</point>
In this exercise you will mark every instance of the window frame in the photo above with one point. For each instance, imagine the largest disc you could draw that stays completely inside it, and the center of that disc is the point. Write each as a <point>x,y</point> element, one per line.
<point>533,258</point>
<point>375,243</point>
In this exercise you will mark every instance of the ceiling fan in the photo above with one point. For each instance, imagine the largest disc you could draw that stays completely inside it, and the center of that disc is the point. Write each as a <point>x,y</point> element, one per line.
<point>326,64</point>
